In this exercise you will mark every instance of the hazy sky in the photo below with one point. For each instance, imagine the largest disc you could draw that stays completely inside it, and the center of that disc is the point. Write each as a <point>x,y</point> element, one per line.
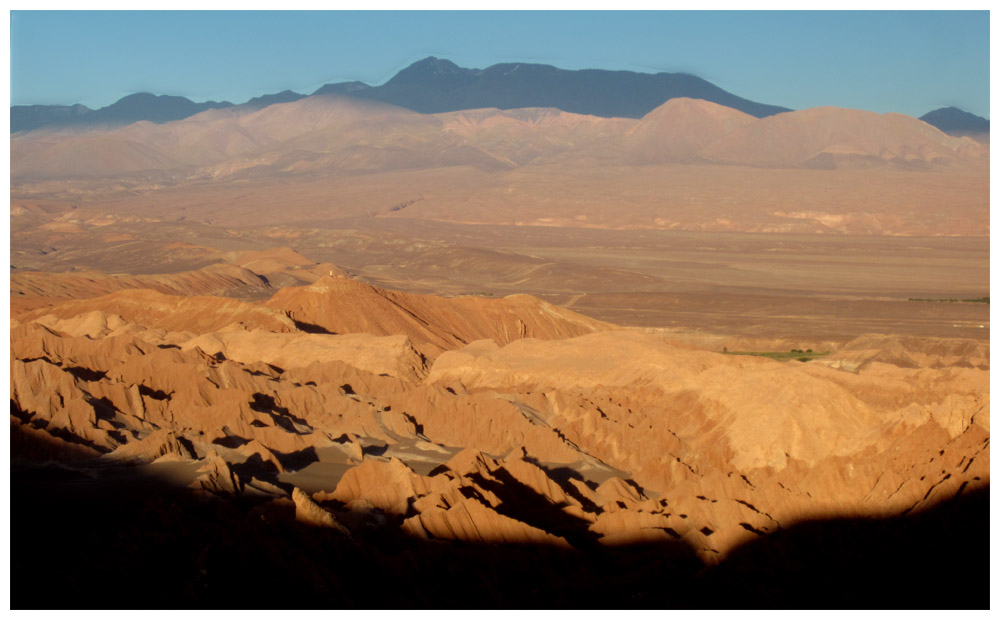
<point>906,61</point>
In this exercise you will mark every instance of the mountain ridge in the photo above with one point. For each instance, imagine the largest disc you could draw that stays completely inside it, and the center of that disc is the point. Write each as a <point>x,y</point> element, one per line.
<point>336,132</point>
<point>434,85</point>
<point>129,109</point>
<point>597,92</point>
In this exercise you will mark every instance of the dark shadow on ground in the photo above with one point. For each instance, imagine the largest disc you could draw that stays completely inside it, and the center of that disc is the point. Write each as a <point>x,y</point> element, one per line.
<point>311,328</point>
<point>935,559</point>
<point>116,538</point>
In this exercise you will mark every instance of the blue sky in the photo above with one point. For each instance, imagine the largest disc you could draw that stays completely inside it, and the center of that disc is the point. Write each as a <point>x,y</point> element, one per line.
<point>905,61</point>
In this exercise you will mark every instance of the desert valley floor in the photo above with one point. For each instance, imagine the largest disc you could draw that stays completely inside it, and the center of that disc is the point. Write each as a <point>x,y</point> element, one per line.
<point>518,377</point>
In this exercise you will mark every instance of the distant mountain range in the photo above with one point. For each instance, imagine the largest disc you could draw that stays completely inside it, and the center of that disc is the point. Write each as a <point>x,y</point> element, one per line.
<point>435,85</point>
<point>127,110</point>
<point>689,164</point>
<point>323,133</point>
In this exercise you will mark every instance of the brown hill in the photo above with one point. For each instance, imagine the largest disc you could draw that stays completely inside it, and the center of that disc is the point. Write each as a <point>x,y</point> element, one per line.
<point>215,279</point>
<point>328,133</point>
<point>679,129</point>
<point>830,137</point>
<point>330,305</point>
<point>249,275</point>
<point>95,153</point>
<point>155,310</point>
<point>283,266</point>
<point>341,305</point>
<point>321,123</point>
<point>529,135</point>
<point>315,133</point>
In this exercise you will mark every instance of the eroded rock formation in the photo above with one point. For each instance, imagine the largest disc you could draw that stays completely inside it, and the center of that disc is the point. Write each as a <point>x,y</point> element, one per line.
<point>593,438</point>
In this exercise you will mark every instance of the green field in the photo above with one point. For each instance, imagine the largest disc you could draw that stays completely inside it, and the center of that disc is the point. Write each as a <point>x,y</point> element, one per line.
<point>977,300</point>
<point>783,356</point>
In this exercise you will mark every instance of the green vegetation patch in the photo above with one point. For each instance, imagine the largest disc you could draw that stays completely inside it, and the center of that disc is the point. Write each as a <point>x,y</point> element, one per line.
<point>977,300</point>
<point>783,356</point>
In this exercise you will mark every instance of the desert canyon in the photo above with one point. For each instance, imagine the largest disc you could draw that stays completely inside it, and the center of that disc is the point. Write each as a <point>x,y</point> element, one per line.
<point>337,353</point>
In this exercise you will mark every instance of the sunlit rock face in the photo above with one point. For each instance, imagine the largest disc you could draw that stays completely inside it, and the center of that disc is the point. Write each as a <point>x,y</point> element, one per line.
<point>548,431</point>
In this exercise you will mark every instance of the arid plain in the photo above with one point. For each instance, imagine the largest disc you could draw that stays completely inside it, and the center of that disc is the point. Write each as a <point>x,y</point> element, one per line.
<point>423,340</point>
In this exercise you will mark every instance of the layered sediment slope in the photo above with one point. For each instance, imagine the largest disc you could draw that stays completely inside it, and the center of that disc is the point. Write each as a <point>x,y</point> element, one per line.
<point>330,305</point>
<point>343,305</point>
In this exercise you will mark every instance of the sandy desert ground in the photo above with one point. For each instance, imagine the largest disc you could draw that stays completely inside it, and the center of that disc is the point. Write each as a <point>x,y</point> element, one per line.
<point>489,359</point>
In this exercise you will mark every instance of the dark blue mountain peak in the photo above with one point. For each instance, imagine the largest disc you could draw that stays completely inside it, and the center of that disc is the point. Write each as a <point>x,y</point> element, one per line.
<point>431,70</point>
<point>956,122</point>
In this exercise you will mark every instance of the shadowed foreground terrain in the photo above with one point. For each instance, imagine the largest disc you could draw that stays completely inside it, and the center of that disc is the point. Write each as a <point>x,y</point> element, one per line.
<point>130,540</point>
<point>343,445</point>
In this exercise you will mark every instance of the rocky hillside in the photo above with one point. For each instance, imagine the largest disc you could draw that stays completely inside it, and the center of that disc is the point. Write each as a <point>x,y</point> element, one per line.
<point>591,457</point>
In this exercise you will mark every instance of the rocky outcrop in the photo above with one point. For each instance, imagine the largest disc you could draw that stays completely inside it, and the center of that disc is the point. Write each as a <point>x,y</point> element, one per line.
<point>341,305</point>
<point>605,440</point>
<point>309,512</point>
